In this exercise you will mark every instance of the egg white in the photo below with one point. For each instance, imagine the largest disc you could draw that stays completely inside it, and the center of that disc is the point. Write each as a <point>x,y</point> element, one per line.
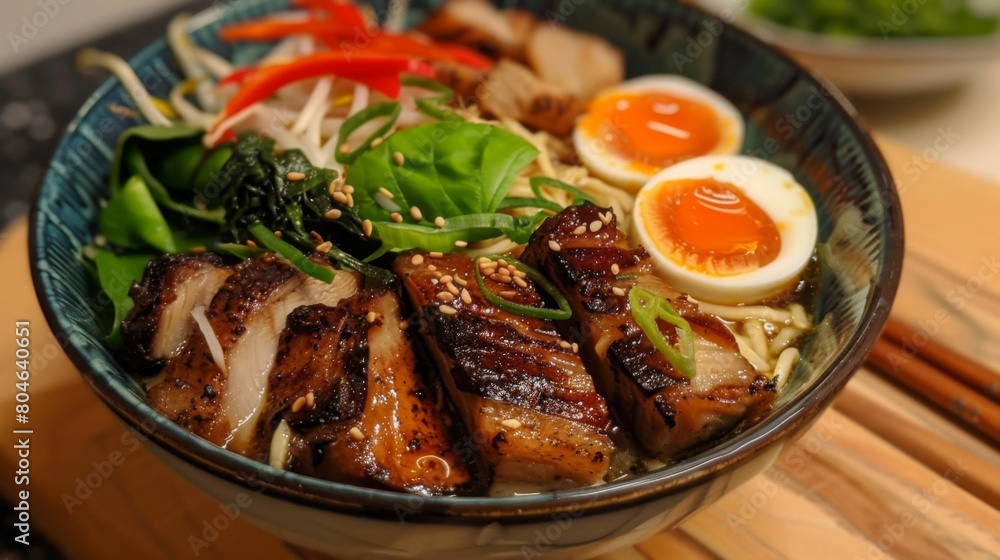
<point>776,192</point>
<point>615,169</point>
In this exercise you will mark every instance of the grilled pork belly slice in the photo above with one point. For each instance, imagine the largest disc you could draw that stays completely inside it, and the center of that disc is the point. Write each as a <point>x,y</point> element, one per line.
<point>579,63</point>
<point>479,24</point>
<point>348,384</point>
<point>228,369</point>
<point>669,413</point>
<point>160,321</point>
<point>515,92</point>
<point>523,393</point>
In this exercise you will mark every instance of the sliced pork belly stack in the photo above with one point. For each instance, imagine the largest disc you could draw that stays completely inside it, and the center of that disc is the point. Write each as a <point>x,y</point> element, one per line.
<point>669,414</point>
<point>348,384</point>
<point>523,393</point>
<point>215,386</point>
<point>160,321</point>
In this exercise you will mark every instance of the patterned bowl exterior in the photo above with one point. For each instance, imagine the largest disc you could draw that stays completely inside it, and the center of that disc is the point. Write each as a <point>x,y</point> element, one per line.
<point>793,120</point>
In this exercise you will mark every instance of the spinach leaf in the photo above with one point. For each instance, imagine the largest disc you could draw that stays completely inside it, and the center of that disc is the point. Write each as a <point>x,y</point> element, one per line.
<point>116,274</point>
<point>449,169</point>
<point>132,219</point>
<point>169,158</point>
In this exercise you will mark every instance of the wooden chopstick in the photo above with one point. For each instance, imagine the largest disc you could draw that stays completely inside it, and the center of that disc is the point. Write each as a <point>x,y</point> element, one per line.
<point>974,375</point>
<point>937,386</point>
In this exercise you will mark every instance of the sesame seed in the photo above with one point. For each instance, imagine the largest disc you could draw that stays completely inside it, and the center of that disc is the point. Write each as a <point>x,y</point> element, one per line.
<point>564,344</point>
<point>439,222</point>
<point>518,273</point>
<point>416,214</point>
<point>251,244</point>
<point>324,247</point>
<point>398,159</point>
<point>404,325</point>
<point>396,217</point>
<point>466,296</point>
<point>298,404</point>
<point>445,296</point>
<point>507,294</point>
<point>435,254</point>
<point>350,200</point>
<point>502,263</point>
<point>376,142</point>
<point>335,185</point>
<point>554,246</point>
<point>576,348</point>
<point>310,399</point>
<point>488,271</point>
<point>606,217</point>
<point>520,282</point>
<point>503,271</point>
<point>580,230</point>
<point>371,317</point>
<point>277,233</point>
<point>447,278</point>
<point>344,148</point>
<point>340,197</point>
<point>461,281</point>
<point>448,310</point>
<point>437,275</point>
<point>461,244</point>
<point>511,423</point>
<point>431,267</point>
<point>333,214</point>
<point>452,288</point>
<point>417,260</point>
<point>615,269</point>
<point>618,291</point>
<point>348,189</point>
<point>357,434</point>
<point>295,176</point>
<point>595,226</point>
<point>366,227</point>
<point>386,193</point>
<point>501,279</point>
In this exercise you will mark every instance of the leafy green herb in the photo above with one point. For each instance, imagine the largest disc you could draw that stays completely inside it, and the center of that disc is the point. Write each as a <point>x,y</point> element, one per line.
<point>268,239</point>
<point>257,189</point>
<point>470,228</point>
<point>648,309</point>
<point>116,274</point>
<point>133,220</point>
<point>562,313</point>
<point>169,158</point>
<point>449,169</point>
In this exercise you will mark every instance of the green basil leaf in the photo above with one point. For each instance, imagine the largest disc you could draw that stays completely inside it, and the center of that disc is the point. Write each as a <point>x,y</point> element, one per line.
<point>146,132</point>
<point>116,274</point>
<point>132,219</point>
<point>449,169</point>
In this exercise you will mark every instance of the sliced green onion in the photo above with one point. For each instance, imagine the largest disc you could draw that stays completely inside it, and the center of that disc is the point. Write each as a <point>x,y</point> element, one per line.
<point>239,250</point>
<point>564,312</point>
<point>390,109</point>
<point>648,309</point>
<point>434,107</point>
<point>287,250</point>
<point>626,277</point>
<point>374,275</point>
<point>579,197</point>
<point>398,237</point>
<point>517,202</point>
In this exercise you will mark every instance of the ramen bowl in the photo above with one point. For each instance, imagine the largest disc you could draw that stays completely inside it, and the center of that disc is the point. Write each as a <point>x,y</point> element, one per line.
<point>791,120</point>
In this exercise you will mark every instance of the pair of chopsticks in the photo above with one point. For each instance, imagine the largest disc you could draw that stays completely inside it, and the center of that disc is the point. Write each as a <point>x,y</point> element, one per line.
<point>966,390</point>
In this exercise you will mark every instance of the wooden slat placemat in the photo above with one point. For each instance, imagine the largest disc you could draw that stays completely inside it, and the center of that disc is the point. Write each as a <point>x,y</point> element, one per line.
<point>845,490</point>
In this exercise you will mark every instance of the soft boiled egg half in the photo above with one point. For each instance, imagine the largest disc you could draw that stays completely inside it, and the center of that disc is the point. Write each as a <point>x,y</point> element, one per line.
<point>726,229</point>
<point>636,129</point>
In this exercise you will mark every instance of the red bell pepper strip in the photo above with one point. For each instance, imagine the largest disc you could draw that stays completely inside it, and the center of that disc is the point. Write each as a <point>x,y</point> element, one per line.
<point>330,32</point>
<point>380,72</point>
<point>345,13</point>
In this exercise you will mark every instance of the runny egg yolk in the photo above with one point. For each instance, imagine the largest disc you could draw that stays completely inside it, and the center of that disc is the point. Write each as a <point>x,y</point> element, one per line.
<point>710,227</point>
<point>652,130</point>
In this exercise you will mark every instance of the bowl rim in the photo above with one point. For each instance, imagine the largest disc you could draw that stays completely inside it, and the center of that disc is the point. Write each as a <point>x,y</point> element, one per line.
<point>385,504</point>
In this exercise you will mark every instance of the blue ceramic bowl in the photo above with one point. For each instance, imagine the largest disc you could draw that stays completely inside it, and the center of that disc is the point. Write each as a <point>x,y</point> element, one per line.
<point>792,120</point>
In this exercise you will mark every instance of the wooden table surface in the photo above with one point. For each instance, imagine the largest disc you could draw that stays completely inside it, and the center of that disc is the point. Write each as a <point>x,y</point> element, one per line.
<point>881,475</point>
